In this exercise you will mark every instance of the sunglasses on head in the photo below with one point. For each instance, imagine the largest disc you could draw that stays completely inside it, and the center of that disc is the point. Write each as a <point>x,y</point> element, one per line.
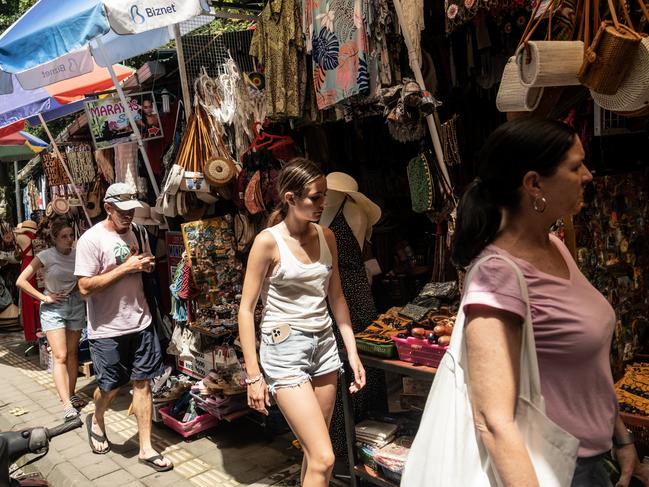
<point>121,197</point>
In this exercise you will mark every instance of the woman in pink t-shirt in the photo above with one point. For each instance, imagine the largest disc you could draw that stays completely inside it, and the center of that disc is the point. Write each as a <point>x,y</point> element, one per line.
<point>530,174</point>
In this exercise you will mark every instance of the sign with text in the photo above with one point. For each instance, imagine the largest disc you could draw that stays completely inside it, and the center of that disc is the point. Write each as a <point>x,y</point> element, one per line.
<point>108,120</point>
<point>134,16</point>
<point>66,67</point>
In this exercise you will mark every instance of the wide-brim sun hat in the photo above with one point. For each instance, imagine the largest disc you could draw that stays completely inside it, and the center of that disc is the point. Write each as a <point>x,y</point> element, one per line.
<point>344,183</point>
<point>123,196</point>
<point>26,226</point>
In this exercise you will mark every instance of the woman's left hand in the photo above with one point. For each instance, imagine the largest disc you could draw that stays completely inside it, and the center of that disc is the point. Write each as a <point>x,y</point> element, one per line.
<point>359,373</point>
<point>630,466</point>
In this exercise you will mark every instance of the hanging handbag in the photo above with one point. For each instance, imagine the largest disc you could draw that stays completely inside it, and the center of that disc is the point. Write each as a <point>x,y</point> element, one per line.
<point>513,95</point>
<point>548,62</point>
<point>420,180</point>
<point>632,97</point>
<point>447,430</point>
<point>608,59</point>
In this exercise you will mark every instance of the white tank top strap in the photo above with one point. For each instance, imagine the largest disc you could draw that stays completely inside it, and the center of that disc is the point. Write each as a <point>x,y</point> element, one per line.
<point>284,251</point>
<point>325,253</point>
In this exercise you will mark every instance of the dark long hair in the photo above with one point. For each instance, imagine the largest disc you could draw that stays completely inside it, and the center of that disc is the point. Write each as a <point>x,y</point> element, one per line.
<point>294,177</point>
<point>512,150</point>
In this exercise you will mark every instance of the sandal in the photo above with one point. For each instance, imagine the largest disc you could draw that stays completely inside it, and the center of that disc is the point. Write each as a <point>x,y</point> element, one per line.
<point>77,402</point>
<point>150,462</point>
<point>70,413</point>
<point>94,436</point>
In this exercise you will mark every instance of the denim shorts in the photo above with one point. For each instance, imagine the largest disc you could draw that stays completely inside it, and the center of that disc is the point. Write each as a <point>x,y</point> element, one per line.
<point>69,313</point>
<point>299,358</point>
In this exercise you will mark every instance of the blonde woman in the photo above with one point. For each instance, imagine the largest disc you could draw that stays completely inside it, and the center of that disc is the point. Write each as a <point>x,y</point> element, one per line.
<point>293,265</point>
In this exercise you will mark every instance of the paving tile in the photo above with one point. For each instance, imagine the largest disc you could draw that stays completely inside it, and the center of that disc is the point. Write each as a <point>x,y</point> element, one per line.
<point>104,467</point>
<point>117,478</point>
<point>162,479</point>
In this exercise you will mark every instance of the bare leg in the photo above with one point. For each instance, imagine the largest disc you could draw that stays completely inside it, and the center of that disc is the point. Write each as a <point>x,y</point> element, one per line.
<point>72,339</point>
<point>103,400</point>
<point>143,409</point>
<point>302,411</point>
<point>58,343</point>
<point>324,388</point>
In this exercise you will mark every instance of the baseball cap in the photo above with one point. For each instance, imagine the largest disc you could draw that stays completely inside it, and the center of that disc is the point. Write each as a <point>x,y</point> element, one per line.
<point>123,196</point>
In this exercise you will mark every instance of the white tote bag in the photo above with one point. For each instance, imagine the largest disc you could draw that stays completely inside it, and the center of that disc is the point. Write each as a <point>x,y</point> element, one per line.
<point>447,450</point>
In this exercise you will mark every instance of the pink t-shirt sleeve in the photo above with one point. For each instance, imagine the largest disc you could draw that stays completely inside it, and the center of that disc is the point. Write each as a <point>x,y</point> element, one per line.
<point>495,284</point>
<point>87,262</point>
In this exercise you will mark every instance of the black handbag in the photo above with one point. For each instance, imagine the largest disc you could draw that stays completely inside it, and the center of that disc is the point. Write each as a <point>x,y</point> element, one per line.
<point>151,287</point>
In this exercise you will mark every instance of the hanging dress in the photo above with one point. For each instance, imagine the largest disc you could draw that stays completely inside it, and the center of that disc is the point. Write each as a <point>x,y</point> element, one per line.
<point>30,307</point>
<point>362,311</point>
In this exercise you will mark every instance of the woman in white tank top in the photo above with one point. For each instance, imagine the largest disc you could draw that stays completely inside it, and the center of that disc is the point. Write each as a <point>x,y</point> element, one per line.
<point>293,266</point>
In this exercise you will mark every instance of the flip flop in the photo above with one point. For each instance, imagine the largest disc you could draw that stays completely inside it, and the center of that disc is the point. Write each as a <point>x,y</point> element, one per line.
<point>94,436</point>
<point>150,462</point>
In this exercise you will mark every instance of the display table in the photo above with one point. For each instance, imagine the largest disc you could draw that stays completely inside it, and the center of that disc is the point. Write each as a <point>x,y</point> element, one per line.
<point>358,470</point>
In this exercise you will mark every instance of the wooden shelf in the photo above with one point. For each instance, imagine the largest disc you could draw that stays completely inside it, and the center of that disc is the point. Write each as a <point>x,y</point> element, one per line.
<point>371,475</point>
<point>399,366</point>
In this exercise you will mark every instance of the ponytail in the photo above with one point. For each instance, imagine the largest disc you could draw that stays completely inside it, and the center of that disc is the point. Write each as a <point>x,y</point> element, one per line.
<point>478,221</point>
<point>278,214</point>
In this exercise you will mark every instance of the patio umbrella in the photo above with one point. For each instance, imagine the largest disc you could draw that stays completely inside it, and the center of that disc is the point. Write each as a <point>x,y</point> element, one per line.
<point>114,30</point>
<point>56,100</point>
<point>70,93</point>
<point>19,146</point>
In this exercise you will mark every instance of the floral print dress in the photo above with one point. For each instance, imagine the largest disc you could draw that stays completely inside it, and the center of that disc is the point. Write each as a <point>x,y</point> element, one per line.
<point>336,37</point>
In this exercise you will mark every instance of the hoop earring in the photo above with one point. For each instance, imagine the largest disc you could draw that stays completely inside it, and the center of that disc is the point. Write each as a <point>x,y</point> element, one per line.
<point>540,204</point>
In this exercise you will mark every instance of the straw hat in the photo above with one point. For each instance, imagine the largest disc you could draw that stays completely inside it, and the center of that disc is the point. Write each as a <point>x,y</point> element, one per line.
<point>26,226</point>
<point>344,183</point>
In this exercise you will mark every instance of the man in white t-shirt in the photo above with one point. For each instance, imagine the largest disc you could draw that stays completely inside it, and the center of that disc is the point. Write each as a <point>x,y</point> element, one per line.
<point>123,344</point>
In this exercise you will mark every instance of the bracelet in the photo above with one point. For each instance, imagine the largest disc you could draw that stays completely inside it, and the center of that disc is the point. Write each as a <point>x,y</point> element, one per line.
<point>627,439</point>
<point>253,380</point>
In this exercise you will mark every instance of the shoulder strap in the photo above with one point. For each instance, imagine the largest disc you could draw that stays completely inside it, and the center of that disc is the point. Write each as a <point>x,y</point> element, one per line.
<point>138,236</point>
<point>529,379</point>
<point>325,251</point>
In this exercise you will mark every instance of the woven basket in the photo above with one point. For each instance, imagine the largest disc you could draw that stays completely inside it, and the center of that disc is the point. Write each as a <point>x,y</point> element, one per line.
<point>632,97</point>
<point>513,96</point>
<point>608,59</point>
<point>550,63</point>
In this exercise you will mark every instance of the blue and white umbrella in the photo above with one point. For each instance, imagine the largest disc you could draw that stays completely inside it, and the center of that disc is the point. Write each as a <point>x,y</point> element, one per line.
<point>52,40</point>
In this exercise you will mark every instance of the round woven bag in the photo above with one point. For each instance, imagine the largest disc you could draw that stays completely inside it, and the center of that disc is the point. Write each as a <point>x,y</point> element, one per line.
<point>633,95</point>
<point>60,205</point>
<point>513,96</point>
<point>550,63</point>
<point>219,171</point>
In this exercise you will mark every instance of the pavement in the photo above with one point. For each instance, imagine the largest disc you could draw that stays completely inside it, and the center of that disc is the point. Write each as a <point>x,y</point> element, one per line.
<point>229,455</point>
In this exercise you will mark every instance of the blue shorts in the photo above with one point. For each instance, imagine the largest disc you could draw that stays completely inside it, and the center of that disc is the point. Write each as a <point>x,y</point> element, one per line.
<point>69,313</point>
<point>121,359</point>
<point>299,358</point>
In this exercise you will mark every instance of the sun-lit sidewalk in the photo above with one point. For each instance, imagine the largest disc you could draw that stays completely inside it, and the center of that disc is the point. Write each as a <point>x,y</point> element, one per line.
<point>231,454</point>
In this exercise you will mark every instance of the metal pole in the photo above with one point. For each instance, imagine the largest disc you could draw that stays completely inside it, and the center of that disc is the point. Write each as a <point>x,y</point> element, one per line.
<point>416,69</point>
<point>65,166</point>
<point>19,200</point>
<point>182,69</point>
<point>131,120</point>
